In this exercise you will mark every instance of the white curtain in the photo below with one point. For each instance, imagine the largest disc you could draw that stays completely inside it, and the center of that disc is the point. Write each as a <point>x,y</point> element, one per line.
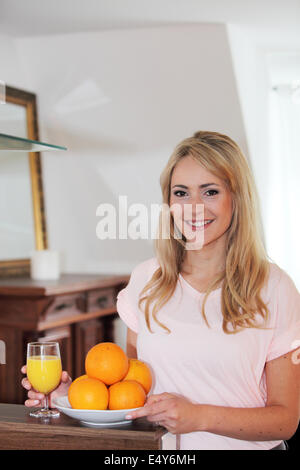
<point>282,227</point>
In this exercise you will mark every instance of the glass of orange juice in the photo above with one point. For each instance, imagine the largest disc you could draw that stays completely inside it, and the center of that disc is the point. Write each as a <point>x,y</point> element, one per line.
<point>44,373</point>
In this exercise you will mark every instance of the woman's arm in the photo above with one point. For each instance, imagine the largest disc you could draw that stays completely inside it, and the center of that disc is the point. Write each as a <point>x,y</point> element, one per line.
<point>277,420</point>
<point>131,344</point>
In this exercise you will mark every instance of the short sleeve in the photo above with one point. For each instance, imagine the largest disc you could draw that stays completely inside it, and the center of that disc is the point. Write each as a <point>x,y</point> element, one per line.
<point>287,318</point>
<point>127,311</point>
<point>128,298</point>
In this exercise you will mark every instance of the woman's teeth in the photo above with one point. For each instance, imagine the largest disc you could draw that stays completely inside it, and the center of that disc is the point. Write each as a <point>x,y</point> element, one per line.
<point>198,224</point>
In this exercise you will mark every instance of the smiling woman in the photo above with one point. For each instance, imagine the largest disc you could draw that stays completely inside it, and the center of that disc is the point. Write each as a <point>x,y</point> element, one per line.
<point>231,251</point>
<point>218,324</point>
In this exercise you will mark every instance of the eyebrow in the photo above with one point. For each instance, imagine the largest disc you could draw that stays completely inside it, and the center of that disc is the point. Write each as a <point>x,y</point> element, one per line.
<point>200,186</point>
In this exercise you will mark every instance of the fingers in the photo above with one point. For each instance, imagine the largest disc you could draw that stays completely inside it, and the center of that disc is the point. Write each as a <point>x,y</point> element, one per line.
<point>158,397</point>
<point>138,414</point>
<point>152,409</point>
<point>157,418</point>
<point>31,403</point>
<point>35,399</point>
<point>26,384</point>
<point>65,378</point>
<point>35,395</point>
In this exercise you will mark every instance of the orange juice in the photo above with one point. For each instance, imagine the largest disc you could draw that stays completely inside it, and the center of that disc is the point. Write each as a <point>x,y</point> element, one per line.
<point>44,372</point>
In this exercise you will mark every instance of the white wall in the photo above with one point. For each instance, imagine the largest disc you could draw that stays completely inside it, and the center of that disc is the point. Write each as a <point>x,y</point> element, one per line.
<point>155,87</point>
<point>252,80</point>
<point>262,57</point>
<point>11,70</point>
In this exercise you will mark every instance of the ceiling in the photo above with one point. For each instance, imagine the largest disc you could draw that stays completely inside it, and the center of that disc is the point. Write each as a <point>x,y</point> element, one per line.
<point>35,17</point>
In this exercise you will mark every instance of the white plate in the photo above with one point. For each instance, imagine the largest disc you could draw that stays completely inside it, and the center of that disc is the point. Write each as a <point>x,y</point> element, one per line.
<point>92,417</point>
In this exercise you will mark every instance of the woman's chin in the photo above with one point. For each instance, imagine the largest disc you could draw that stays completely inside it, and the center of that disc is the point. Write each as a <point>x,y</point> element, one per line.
<point>193,246</point>
<point>194,242</point>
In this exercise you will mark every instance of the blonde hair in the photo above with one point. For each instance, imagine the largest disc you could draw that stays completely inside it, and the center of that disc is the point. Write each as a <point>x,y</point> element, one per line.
<point>246,267</point>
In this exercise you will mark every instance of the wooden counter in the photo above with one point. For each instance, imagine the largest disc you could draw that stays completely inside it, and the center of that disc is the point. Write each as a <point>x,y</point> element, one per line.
<point>20,431</point>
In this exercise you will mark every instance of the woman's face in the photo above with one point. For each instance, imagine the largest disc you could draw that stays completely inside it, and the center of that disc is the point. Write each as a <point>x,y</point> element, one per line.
<point>199,196</point>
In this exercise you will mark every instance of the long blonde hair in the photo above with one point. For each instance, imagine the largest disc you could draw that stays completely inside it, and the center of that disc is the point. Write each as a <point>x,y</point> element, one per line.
<point>246,267</point>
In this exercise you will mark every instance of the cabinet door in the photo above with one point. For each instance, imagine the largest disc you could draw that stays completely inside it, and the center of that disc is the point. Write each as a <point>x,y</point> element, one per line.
<point>87,334</point>
<point>13,358</point>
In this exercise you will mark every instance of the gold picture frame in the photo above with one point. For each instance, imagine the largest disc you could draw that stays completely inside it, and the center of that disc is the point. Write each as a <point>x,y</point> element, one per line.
<point>21,267</point>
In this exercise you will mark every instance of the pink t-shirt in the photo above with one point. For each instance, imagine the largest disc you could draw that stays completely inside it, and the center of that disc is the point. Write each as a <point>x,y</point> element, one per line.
<point>204,364</point>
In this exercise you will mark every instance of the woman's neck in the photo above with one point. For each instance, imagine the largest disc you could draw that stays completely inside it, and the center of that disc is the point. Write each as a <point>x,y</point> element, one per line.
<point>207,262</point>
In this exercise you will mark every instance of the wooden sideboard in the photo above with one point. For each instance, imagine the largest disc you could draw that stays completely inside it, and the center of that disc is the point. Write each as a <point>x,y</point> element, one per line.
<point>77,311</point>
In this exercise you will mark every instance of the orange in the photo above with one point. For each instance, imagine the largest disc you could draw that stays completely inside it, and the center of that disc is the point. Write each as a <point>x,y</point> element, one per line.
<point>88,394</point>
<point>126,394</point>
<point>106,362</point>
<point>81,377</point>
<point>140,372</point>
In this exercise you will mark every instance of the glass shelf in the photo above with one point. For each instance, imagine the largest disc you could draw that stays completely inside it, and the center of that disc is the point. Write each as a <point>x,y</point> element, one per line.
<point>12,143</point>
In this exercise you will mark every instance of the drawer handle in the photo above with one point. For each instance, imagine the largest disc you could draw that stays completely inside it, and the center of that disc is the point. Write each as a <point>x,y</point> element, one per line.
<point>63,306</point>
<point>102,301</point>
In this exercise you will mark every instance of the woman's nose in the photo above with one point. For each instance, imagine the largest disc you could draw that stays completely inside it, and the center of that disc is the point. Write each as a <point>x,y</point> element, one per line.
<point>194,209</point>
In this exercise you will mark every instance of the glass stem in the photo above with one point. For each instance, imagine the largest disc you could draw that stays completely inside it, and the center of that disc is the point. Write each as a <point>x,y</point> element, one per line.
<point>46,403</point>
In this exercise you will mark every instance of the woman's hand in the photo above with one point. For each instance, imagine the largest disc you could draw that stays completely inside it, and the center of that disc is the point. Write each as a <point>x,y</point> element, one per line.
<point>176,413</point>
<point>36,398</point>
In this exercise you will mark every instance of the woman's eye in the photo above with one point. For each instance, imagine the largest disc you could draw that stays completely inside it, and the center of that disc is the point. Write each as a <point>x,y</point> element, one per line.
<point>182,193</point>
<point>210,192</point>
<point>214,191</point>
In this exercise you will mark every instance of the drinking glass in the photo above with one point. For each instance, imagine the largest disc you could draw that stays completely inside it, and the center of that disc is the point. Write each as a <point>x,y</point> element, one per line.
<point>44,373</point>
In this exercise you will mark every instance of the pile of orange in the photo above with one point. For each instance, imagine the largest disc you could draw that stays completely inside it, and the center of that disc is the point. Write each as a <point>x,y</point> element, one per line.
<point>112,380</point>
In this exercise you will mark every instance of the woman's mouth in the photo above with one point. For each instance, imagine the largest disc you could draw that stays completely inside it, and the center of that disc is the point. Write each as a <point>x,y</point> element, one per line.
<point>199,225</point>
